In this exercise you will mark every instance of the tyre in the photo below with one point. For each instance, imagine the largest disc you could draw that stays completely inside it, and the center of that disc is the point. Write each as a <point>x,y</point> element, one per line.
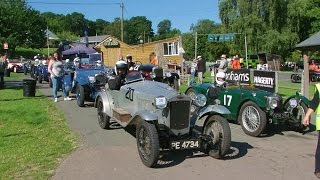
<point>80,95</point>
<point>294,78</point>
<point>40,78</point>
<point>103,118</point>
<point>176,84</point>
<point>148,143</point>
<point>252,119</point>
<point>313,78</point>
<point>218,129</point>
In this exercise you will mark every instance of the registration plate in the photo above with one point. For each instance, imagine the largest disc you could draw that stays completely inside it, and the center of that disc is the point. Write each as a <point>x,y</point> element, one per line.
<point>285,115</point>
<point>185,144</point>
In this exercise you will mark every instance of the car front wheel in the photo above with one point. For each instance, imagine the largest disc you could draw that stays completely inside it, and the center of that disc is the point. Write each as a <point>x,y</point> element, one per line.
<point>148,143</point>
<point>218,129</point>
<point>80,95</point>
<point>103,118</point>
<point>252,119</point>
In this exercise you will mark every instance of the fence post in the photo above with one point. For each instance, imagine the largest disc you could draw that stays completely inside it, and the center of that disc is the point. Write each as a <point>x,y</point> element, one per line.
<point>302,84</point>
<point>277,81</point>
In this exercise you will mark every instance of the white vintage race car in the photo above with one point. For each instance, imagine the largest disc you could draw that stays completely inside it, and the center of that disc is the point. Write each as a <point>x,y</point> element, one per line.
<point>162,117</point>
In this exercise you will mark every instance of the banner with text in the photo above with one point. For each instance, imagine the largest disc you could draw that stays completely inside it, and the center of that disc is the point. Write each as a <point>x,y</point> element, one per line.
<point>238,75</point>
<point>264,80</point>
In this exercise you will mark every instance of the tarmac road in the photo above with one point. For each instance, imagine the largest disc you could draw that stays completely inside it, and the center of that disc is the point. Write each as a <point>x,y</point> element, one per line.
<point>112,154</point>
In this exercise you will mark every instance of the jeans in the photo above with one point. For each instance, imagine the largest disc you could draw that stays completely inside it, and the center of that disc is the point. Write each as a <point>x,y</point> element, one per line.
<point>57,83</point>
<point>317,156</point>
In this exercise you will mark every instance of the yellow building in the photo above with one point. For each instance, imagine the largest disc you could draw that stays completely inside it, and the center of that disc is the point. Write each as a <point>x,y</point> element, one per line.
<point>167,51</point>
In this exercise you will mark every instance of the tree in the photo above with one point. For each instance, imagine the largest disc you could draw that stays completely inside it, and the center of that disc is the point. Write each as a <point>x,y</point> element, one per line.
<point>137,28</point>
<point>21,25</point>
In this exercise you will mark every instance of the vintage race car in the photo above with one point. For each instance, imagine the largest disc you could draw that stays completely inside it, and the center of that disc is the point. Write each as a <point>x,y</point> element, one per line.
<point>87,82</point>
<point>162,117</point>
<point>254,109</point>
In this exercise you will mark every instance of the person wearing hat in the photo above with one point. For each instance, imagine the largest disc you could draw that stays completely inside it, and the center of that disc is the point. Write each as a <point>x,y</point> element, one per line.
<point>201,68</point>
<point>223,64</point>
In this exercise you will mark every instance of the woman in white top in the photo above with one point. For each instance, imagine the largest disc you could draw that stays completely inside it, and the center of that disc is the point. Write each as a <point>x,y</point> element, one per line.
<point>56,71</point>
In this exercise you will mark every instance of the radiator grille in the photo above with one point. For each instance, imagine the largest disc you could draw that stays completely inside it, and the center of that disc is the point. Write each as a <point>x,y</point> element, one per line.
<point>179,113</point>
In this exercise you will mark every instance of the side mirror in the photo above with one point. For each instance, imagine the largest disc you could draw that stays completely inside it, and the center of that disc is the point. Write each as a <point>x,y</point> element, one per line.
<point>114,83</point>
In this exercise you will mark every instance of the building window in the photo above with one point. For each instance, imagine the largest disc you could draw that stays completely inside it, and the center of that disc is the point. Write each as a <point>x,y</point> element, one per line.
<point>170,48</point>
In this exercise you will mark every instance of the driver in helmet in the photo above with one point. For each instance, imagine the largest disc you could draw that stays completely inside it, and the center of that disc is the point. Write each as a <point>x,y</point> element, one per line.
<point>121,70</point>
<point>220,83</point>
<point>220,79</point>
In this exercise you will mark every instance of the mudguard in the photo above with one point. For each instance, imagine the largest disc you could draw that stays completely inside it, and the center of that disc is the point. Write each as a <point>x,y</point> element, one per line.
<point>143,115</point>
<point>197,119</point>
<point>305,100</point>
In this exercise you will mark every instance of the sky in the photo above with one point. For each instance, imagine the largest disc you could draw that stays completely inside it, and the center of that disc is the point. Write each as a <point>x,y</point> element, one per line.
<point>181,13</point>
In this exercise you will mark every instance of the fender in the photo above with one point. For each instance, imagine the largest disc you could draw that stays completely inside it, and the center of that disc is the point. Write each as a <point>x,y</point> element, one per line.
<point>107,102</point>
<point>144,116</point>
<point>197,119</point>
<point>305,100</point>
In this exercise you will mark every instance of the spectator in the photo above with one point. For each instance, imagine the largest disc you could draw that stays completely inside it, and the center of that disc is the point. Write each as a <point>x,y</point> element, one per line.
<point>236,62</point>
<point>193,71</point>
<point>3,67</point>
<point>223,64</point>
<point>201,68</point>
<point>56,71</point>
<point>314,107</point>
<point>154,59</point>
<point>312,66</point>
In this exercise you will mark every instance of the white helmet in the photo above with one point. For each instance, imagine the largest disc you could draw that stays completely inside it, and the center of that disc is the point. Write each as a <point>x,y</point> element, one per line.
<point>67,60</point>
<point>220,78</point>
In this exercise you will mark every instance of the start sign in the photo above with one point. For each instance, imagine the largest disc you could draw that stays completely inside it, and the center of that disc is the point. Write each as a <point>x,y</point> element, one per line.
<point>5,46</point>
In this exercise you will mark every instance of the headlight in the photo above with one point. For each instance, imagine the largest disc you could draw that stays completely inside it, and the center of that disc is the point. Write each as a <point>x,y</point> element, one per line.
<point>273,103</point>
<point>168,74</point>
<point>160,102</point>
<point>201,100</point>
<point>293,103</point>
<point>92,79</point>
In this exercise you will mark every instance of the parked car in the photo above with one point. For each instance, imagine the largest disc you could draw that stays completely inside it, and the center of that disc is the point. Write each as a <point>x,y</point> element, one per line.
<point>15,66</point>
<point>254,109</point>
<point>162,118</point>
<point>314,76</point>
<point>156,73</point>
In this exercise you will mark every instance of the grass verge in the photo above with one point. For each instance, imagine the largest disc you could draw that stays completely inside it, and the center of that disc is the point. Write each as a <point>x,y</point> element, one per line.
<point>34,136</point>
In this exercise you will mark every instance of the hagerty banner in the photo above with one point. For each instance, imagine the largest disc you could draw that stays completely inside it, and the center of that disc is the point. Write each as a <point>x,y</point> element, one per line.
<point>238,75</point>
<point>265,80</point>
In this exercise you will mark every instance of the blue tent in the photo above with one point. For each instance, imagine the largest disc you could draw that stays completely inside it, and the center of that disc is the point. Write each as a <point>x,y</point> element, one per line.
<point>78,49</point>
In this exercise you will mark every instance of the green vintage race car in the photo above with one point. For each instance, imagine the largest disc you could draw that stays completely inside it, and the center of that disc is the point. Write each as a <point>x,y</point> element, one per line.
<point>254,109</point>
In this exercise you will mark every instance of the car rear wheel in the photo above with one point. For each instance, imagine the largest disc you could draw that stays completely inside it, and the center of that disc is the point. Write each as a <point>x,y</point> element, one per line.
<point>80,95</point>
<point>103,118</point>
<point>252,119</point>
<point>218,129</point>
<point>148,143</point>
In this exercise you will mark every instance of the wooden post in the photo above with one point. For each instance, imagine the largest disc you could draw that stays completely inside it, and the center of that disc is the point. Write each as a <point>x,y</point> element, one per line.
<point>305,82</point>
